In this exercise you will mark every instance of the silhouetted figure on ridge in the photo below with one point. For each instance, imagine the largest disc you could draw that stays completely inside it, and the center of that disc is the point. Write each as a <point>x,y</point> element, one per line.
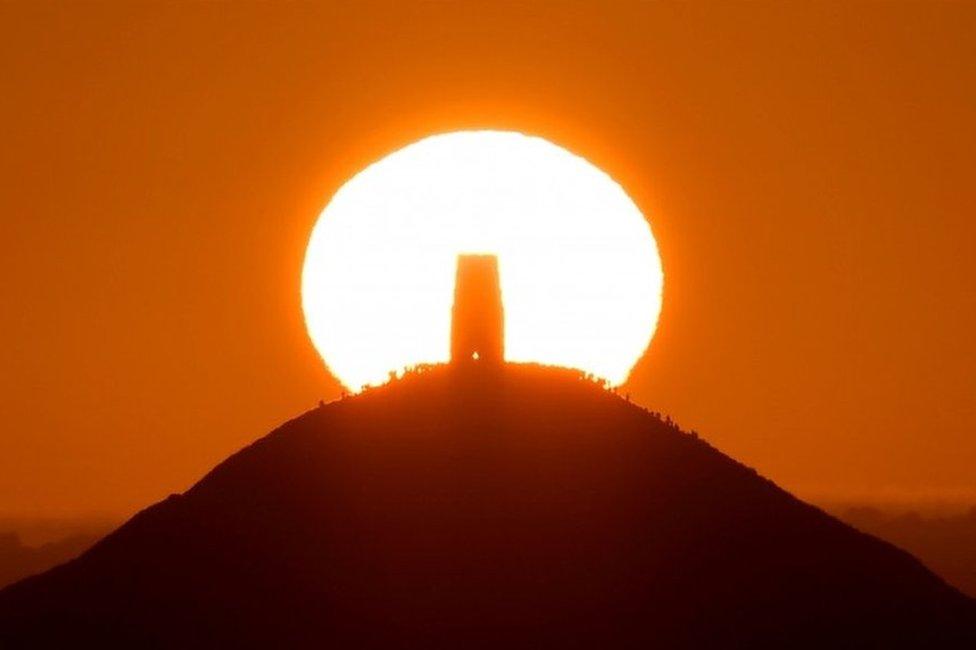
<point>478,317</point>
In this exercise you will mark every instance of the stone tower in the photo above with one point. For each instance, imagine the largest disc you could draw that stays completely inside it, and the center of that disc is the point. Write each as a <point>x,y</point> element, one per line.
<point>478,318</point>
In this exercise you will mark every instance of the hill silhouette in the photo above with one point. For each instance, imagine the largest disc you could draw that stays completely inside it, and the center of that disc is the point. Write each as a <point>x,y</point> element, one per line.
<point>18,560</point>
<point>468,507</point>
<point>945,542</point>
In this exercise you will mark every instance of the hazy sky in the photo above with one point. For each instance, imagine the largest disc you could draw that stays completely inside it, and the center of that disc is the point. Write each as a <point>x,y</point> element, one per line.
<point>808,171</point>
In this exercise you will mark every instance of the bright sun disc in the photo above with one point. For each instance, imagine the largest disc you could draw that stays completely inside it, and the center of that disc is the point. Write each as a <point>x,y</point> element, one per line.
<point>580,273</point>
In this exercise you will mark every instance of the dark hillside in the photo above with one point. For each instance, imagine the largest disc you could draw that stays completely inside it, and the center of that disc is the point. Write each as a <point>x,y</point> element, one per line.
<point>467,507</point>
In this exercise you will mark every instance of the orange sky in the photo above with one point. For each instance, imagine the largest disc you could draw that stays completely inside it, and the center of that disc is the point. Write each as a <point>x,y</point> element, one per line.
<point>808,172</point>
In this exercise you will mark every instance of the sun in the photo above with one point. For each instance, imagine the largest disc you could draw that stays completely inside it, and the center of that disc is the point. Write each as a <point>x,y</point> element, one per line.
<point>579,267</point>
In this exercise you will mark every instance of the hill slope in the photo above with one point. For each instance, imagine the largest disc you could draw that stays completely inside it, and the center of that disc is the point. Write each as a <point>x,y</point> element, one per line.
<point>458,508</point>
<point>18,560</point>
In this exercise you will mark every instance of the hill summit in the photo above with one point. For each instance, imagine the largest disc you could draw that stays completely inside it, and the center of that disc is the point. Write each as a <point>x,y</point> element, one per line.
<point>490,506</point>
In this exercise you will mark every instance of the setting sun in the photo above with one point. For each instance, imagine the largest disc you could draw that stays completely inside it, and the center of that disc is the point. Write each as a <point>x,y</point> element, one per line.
<point>580,273</point>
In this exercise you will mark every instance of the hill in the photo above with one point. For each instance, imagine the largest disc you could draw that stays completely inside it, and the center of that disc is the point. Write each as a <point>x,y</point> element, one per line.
<point>467,507</point>
<point>945,542</point>
<point>18,560</point>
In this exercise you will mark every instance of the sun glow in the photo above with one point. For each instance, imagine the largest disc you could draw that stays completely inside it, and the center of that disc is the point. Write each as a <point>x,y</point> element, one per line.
<point>580,273</point>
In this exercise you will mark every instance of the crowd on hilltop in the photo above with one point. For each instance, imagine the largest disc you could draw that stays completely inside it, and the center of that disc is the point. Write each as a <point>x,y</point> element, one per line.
<point>419,369</point>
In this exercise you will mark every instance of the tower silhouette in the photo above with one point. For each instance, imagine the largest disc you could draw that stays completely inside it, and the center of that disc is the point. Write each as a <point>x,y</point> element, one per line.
<point>477,318</point>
